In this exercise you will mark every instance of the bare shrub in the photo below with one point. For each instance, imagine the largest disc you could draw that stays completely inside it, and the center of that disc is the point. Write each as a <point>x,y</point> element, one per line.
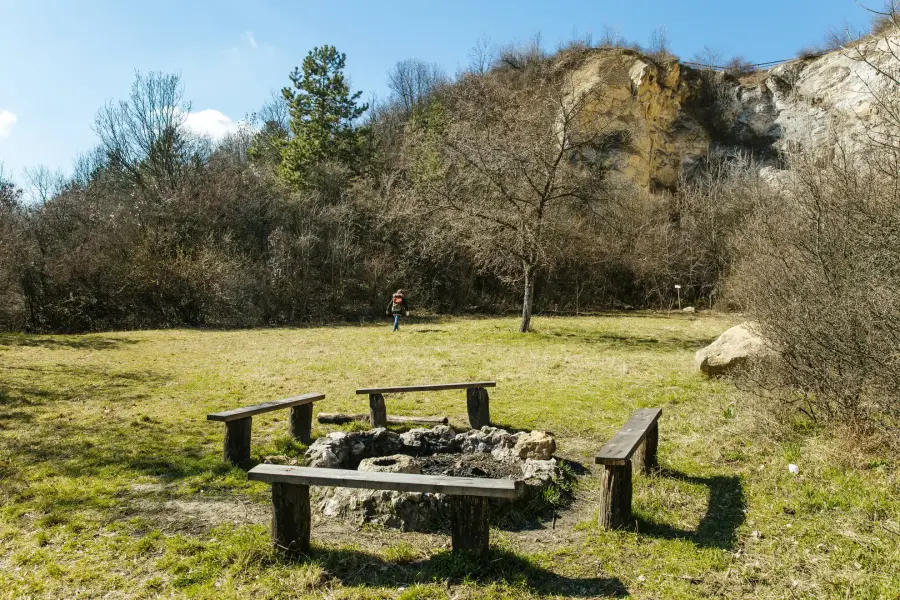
<point>739,66</point>
<point>820,271</point>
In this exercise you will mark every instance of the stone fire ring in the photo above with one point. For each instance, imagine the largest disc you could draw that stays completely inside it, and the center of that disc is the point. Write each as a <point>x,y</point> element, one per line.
<point>488,452</point>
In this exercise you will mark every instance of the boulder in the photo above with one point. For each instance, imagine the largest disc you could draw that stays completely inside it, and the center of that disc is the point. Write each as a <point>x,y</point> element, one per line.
<point>437,440</point>
<point>398,463</point>
<point>535,445</point>
<point>731,350</point>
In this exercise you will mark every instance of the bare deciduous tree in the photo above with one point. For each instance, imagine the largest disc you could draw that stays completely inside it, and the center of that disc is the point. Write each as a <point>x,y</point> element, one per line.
<point>146,136</point>
<point>412,80</point>
<point>481,56</point>
<point>510,161</point>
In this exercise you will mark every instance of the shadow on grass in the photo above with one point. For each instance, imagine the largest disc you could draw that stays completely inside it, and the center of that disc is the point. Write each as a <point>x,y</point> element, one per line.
<point>357,568</point>
<point>628,342</point>
<point>64,341</point>
<point>725,512</point>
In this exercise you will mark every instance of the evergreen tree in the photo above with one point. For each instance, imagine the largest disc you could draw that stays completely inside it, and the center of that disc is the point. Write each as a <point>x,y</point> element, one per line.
<point>322,111</point>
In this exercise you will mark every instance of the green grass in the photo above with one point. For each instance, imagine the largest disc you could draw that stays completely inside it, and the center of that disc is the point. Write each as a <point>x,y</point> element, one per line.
<point>111,480</point>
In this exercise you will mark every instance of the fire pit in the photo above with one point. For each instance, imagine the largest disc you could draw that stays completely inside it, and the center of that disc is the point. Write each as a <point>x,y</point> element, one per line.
<point>488,452</point>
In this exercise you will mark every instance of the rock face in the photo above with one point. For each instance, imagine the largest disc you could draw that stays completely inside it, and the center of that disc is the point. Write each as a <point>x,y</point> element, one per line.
<point>730,351</point>
<point>660,120</point>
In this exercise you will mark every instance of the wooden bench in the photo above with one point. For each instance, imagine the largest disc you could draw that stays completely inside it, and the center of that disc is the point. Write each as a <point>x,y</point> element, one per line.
<point>477,401</point>
<point>632,446</point>
<point>291,516</point>
<point>238,421</point>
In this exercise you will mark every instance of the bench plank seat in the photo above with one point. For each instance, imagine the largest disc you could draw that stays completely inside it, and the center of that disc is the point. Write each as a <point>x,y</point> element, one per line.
<point>618,450</point>
<point>398,482</point>
<point>249,411</point>
<point>435,387</point>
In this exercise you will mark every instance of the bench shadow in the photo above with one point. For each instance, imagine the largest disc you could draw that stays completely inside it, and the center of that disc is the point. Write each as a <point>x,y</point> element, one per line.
<point>725,513</point>
<point>361,569</point>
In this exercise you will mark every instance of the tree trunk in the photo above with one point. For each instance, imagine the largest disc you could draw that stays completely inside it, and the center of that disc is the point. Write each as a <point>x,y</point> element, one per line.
<point>528,300</point>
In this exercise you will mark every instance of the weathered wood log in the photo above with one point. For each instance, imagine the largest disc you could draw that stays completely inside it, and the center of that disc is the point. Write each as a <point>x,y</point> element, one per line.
<point>300,423</point>
<point>291,518</point>
<point>237,441</point>
<point>431,387</point>
<point>469,529</point>
<point>615,496</point>
<point>397,482</point>
<point>377,410</point>
<point>341,418</point>
<point>644,459</point>
<point>477,403</point>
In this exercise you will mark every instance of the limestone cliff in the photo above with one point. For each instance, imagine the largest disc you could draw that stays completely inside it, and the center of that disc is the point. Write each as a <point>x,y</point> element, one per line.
<point>663,118</point>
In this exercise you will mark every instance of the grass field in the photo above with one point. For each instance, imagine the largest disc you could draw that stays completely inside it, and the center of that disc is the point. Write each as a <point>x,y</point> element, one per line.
<point>112,485</point>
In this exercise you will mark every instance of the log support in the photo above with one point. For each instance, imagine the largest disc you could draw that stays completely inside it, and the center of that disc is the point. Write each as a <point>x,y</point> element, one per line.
<point>300,423</point>
<point>291,518</point>
<point>478,405</point>
<point>469,530</point>
<point>237,441</point>
<point>644,459</point>
<point>377,411</point>
<point>615,496</point>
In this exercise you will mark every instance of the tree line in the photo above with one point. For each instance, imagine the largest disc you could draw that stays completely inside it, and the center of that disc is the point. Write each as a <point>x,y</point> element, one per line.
<point>479,193</point>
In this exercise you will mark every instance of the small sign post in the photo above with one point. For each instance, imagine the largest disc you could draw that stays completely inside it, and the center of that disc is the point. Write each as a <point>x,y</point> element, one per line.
<point>678,291</point>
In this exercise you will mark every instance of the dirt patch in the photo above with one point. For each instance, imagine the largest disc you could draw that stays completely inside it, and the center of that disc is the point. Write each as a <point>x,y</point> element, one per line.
<point>201,514</point>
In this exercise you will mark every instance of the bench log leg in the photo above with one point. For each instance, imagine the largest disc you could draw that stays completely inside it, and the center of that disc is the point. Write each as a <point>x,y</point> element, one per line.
<point>377,411</point>
<point>237,441</point>
<point>644,458</point>
<point>469,530</point>
<point>478,405</point>
<point>291,518</point>
<point>300,423</point>
<point>615,496</point>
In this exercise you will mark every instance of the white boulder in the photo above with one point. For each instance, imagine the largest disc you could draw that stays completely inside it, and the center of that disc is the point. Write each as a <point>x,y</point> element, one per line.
<point>731,350</point>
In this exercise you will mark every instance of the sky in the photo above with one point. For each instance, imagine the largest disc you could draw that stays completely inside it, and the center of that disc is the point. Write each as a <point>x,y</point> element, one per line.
<point>60,61</point>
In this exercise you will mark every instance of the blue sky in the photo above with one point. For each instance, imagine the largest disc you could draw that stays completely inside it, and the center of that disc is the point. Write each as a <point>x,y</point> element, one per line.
<point>62,60</point>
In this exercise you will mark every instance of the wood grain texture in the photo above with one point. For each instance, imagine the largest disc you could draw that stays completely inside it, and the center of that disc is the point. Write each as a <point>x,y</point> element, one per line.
<point>291,518</point>
<point>644,459</point>
<point>377,411</point>
<point>300,423</point>
<point>615,496</point>
<point>398,482</point>
<point>432,387</point>
<point>618,450</point>
<point>249,411</point>
<point>478,407</point>
<point>237,441</point>
<point>469,529</point>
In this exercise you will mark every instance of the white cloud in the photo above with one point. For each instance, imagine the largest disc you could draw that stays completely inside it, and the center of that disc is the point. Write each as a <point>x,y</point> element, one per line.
<point>251,39</point>
<point>211,122</point>
<point>7,120</point>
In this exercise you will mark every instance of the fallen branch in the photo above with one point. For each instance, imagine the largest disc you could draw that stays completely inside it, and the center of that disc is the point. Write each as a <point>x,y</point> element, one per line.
<point>341,418</point>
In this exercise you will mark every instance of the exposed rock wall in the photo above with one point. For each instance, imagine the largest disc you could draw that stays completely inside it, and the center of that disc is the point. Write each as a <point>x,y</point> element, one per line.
<point>661,119</point>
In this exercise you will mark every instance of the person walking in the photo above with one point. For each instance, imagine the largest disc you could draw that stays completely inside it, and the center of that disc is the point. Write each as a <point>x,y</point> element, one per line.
<point>397,307</point>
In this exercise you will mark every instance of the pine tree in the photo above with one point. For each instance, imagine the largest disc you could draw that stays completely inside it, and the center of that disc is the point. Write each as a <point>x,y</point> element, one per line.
<point>323,112</point>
